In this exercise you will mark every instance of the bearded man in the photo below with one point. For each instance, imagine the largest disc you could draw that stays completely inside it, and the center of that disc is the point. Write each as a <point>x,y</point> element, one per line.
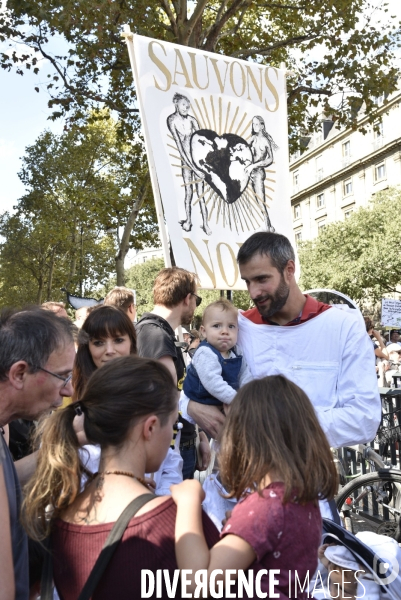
<point>319,347</point>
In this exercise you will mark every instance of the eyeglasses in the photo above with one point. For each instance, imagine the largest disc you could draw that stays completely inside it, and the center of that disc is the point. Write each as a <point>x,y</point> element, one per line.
<point>198,299</point>
<point>65,380</point>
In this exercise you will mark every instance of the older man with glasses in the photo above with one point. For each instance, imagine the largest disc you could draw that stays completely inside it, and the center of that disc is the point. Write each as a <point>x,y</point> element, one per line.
<point>36,359</point>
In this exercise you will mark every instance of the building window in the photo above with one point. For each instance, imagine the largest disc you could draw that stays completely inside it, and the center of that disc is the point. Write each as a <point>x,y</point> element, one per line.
<point>320,226</point>
<point>378,135</point>
<point>379,100</point>
<point>348,213</point>
<point>144,259</point>
<point>319,168</point>
<point>297,211</point>
<point>346,149</point>
<point>320,200</point>
<point>295,180</point>
<point>380,171</point>
<point>319,135</point>
<point>298,237</point>
<point>347,187</point>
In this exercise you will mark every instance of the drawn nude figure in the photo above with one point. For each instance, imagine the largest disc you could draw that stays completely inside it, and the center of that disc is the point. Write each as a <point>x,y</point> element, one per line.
<point>262,146</point>
<point>182,126</point>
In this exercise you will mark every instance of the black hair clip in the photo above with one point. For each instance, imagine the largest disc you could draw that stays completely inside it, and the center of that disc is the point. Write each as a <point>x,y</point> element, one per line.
<point>78,409</point>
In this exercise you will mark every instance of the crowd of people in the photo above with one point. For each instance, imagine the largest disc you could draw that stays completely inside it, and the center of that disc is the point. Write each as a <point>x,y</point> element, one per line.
<point>122,419</point>
<point>387,353</point>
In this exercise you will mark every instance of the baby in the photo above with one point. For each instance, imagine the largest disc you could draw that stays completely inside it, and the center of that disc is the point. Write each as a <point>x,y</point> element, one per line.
<point>217,370</point>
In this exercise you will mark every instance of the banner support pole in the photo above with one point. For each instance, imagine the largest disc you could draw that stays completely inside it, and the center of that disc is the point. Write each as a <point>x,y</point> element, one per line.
<point>129,38</point>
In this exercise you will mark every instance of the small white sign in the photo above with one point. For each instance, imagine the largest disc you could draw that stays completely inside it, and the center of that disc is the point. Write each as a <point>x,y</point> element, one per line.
<point>391,312</point>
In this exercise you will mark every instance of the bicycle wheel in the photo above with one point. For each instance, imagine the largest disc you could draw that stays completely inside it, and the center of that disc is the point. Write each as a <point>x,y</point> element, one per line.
<point>372,502</point>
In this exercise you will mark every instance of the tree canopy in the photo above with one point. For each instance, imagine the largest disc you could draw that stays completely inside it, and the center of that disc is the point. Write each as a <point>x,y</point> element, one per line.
<point>82,186</point>
<point>359,256</point>
<point>340,53</point>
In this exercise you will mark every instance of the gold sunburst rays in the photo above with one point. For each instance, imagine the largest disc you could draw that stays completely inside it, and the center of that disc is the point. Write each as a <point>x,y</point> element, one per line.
<point>206,112</point>
<point>245,213</point>
<point>248,211</point>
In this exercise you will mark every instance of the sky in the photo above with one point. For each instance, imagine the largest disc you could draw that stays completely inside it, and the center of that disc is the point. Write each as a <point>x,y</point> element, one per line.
<point>24,115</point>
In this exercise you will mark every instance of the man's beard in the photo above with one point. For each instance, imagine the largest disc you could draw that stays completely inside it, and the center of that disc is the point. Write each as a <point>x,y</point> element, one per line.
<point>277,300</point>
<point>186,318</point>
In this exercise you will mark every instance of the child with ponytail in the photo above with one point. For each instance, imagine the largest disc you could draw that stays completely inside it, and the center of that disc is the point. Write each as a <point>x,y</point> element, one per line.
<point>275,459</point>
<point>129,407</point>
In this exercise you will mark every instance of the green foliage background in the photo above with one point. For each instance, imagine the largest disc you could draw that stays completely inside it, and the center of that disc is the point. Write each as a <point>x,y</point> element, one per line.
<point>359,256</point>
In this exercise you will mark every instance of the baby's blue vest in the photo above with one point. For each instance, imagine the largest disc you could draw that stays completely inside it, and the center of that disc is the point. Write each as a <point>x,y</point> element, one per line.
<point>230,369</point>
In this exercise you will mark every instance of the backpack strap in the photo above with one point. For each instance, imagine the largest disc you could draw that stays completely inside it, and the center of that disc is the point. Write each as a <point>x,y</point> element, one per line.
<point>148,321</point>
<point>111,544</point>
<point>105,555</point>
<point>46,582</point>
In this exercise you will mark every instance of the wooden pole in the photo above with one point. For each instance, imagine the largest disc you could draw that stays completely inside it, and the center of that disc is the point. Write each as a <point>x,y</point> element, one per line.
<point>129,38</point>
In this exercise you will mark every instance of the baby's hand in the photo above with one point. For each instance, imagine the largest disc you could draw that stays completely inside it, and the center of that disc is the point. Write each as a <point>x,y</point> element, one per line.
<point>189,490</point>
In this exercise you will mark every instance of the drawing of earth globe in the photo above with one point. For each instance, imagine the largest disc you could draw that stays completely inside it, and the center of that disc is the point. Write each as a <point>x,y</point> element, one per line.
<point>223,160</point>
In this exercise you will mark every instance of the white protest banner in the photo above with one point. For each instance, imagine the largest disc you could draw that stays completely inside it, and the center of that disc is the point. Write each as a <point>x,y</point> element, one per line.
<point>391,312</point>
<point>216,135</point>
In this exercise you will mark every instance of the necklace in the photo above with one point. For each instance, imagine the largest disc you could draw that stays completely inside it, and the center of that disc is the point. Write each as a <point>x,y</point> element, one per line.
<point>126,473</point>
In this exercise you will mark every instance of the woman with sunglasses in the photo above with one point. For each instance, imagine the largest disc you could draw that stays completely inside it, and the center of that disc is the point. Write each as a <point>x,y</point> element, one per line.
<point>107,334</point>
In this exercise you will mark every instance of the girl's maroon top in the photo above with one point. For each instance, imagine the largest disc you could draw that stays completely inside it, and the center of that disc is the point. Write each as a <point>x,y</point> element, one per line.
<point>148,543</point>
<point>285,537</point>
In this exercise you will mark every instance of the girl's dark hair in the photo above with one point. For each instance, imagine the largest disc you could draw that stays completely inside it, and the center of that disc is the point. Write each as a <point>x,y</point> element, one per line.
<point>101,322</point>
<point>368,323</point>
<point>116,397</point>
<point>272,428</point>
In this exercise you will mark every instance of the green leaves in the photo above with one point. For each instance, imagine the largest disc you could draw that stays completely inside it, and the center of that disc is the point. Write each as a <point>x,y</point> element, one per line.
<point>332,47</point>
<point>359,256</point>
<point>80,189</point>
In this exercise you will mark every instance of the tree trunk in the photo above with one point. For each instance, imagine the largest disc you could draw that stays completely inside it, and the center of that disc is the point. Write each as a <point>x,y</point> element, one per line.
<point>40,291</point>
<point>50,278</point>
<point>124,244</point>
<point>73,262</point>
<point>81,263</point>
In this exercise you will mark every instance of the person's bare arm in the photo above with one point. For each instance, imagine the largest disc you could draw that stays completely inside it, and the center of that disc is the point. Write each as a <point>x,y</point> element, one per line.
<point>204,450</point>
<point>379,338</point>
<point>168,362</point>
<point>380,352</point>
<point>25,468</point>
<point>191,549</point>
<point>209,418</point>
<point>7,585</point>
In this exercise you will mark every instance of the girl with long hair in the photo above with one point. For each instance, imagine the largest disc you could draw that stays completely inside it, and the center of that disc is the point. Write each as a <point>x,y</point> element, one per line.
<point>129,408</point>
<point>275,459</point>
<point>108,333</point>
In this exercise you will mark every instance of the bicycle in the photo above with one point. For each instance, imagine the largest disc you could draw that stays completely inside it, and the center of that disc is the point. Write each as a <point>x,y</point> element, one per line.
<point>372,501</point>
